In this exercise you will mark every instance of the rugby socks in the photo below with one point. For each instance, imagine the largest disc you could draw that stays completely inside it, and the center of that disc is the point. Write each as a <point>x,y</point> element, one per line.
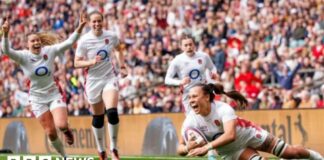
<point>99,137</point>
<point>57,144</point>
<point>113,132</point>
<point>314,155</point>
<point>113,125</point>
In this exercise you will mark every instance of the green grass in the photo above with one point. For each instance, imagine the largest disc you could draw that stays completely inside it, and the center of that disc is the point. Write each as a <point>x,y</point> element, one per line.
<point>84,157</point>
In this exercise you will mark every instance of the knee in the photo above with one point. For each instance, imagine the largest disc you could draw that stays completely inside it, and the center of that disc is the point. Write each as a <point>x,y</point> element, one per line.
<point>112,115</point>
<point>62,125</point>
<point>295,151</point>
<point>300,151</point>
<point>98,121</point>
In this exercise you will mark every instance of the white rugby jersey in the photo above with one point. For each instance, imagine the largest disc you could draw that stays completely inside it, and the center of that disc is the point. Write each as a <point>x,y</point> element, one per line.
<point>212,126</point>
<point>194,67</point>
<point>40,68</point>
<point>90,45</point>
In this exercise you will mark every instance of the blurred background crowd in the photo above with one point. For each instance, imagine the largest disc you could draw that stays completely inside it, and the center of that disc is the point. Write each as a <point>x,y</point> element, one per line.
<point>272,51</point>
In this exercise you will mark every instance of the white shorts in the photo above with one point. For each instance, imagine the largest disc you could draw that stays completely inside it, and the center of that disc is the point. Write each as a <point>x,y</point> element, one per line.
<point>252,139</point>
<point>39,108</point>
<point>94,88</point>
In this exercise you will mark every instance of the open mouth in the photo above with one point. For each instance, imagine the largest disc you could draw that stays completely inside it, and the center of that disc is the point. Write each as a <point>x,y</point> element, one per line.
<point>194,106</point>
<point>36,47</point>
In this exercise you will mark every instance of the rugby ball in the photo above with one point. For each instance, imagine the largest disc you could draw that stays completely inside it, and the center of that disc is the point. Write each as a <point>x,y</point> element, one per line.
<point>193,134</point>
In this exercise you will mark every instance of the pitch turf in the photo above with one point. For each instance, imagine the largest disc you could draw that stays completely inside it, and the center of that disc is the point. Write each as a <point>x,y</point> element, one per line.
<point>89,157</point>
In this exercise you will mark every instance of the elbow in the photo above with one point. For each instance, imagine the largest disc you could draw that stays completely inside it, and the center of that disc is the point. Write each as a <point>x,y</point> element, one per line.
<point>180,152</point>
<point>166,81</point>
<point>5,49</point>
<point>231,137</point>
<point>76,65</point>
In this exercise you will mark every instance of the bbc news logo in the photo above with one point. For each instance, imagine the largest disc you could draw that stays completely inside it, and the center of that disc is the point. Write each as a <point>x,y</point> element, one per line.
<point>47,158</point>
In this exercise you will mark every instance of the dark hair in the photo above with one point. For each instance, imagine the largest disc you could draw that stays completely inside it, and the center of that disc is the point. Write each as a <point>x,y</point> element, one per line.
<point>96,12</point>
<point>213,89</point>
<point>186,36</point>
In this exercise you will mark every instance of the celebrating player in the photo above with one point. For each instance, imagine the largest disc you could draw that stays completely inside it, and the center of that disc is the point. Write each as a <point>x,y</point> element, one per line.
<point>191,67</point>
<point>37,63</point>
<point>94,52</point>
<point>239,138</point>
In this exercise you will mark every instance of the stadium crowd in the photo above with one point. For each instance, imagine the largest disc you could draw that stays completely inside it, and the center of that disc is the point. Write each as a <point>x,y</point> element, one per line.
<point>272,51</point>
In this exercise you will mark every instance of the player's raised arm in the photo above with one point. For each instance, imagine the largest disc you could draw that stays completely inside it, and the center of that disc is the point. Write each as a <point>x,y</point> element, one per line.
<point>13,54</point>
<point>120,48</point>
<point>74,36</point>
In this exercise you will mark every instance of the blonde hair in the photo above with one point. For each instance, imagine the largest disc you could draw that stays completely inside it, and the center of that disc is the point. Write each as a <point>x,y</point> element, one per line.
<point>47,38</point>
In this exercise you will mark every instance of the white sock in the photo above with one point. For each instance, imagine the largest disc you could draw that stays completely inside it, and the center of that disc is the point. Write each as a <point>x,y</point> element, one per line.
<point>314,155</point>
<point>57,144</point>
<point>99,137</point>
<point>113,132</point>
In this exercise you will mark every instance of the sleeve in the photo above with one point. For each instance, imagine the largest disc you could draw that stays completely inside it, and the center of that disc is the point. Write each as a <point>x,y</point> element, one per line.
<point>171,72</point>
<point>81,50</point>
<point>67,43</point>
<point>13,54</point>
<point>228,113</point>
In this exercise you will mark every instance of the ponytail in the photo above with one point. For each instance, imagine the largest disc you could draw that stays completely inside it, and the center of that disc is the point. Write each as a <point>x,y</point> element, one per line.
<point>213,89</point>
<point>48,38</point>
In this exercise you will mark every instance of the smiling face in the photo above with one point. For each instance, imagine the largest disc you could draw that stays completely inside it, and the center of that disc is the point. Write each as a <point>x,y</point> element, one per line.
<point>199,101</point>
<point>34,43</point>
<point>96,23</point>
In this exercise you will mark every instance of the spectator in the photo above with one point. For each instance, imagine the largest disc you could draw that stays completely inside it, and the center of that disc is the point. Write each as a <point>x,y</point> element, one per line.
<point>219,57</point>
<point>305,100</point>
<point>289,102</point>
<point>320,102</point>
<point>285,77</point>
<point>257,34</point>
<point>139,107</point>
